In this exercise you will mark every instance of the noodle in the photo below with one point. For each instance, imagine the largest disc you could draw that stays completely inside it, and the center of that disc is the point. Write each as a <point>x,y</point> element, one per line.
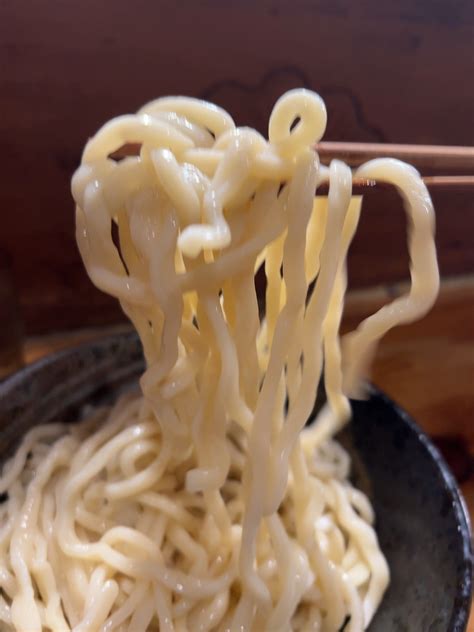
<point>204,503</point>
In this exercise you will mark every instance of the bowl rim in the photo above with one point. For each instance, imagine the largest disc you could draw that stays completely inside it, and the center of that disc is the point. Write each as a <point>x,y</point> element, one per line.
<point>463,602</point>
<point>464,591</point>
<point>26,371</point>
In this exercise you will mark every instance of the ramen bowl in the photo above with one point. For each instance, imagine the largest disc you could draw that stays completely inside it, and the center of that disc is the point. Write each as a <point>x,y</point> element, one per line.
<point>421,521</point>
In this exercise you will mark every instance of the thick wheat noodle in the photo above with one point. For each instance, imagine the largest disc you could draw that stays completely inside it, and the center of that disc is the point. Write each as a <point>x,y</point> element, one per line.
<point>204,503</point>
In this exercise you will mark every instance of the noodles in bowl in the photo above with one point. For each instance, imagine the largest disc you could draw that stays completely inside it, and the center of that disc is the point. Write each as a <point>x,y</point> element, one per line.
<point>203,503</point>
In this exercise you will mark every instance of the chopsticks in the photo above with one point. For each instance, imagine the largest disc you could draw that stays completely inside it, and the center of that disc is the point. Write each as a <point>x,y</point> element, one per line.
<point>432,157</point>
<point>437,158</point>
<point>361,186</point>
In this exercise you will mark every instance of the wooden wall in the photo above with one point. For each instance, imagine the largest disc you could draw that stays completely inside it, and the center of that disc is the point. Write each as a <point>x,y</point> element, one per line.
<point>389,71</point>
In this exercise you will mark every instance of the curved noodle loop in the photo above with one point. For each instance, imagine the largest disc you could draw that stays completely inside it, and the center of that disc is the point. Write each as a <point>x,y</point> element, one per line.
<point>204,503</point>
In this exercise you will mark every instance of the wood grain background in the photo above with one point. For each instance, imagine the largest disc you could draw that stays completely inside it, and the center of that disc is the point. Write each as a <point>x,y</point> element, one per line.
<point>389,71</point>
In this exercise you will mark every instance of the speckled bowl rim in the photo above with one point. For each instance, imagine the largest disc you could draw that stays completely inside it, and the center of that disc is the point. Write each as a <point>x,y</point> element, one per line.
<point>460,618</point>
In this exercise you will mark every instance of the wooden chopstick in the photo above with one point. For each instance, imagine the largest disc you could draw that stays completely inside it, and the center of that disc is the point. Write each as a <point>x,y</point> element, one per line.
<point>430,156</point>
<point>449,182</point>
<point>442,157</point>
<point>361,186</point>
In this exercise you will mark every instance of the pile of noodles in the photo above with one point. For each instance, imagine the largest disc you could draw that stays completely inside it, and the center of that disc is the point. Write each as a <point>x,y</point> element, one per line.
<point>203,503</point>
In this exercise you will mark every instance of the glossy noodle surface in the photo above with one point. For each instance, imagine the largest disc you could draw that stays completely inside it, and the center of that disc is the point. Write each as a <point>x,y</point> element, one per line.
<point>204,503</point>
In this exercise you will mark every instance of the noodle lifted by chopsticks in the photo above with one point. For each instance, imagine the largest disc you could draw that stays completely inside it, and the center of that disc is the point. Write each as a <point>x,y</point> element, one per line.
<point>205,504</point>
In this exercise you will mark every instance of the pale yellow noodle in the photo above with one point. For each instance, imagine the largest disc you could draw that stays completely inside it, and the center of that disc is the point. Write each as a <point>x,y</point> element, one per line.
<point>202,503</point>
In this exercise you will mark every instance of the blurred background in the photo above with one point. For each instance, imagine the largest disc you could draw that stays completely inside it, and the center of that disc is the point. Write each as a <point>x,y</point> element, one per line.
<point>397,72</point>
<point>391,72</point>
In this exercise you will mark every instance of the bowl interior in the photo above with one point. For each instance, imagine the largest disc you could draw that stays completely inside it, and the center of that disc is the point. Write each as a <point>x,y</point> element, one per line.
<point>420,518</point>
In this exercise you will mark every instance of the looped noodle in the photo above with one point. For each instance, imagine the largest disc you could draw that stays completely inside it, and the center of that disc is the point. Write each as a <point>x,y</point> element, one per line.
<point>306,106</point>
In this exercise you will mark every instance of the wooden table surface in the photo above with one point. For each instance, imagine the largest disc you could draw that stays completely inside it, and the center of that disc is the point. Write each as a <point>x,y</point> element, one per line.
<point>427,367</point>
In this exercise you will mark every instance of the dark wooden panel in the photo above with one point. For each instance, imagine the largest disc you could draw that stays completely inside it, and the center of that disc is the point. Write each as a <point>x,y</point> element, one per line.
<point>389,71</point>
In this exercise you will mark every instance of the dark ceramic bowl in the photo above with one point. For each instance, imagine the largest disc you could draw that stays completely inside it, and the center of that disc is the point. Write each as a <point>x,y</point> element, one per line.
<point>421,520</point>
